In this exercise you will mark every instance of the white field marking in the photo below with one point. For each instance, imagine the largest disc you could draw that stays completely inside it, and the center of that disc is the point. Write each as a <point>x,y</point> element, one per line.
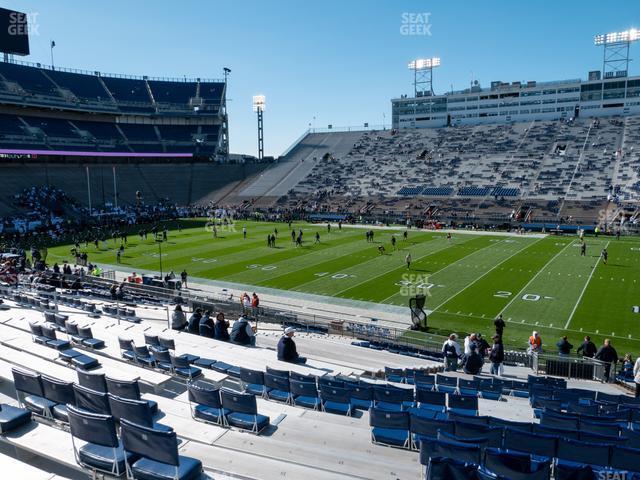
<point>335,294</point>
<point>584,289</point>
<point>534,277</point>
<point>447,266</point>
<point>486,273</point>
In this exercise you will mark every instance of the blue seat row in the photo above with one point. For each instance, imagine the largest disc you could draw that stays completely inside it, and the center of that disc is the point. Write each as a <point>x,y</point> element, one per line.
<point>160,358</point>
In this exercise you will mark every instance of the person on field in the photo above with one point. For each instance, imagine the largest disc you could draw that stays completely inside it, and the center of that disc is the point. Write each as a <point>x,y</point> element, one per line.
<point>407,260</point>
<point>499,324</point>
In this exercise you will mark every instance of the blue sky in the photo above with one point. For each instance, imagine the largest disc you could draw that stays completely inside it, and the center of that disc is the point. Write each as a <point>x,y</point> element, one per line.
<point>340,61</point>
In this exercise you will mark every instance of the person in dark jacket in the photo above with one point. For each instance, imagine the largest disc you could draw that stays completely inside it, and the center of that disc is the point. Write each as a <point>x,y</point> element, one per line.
<point>483,345</point>
<point>564,347</point>
<point>287,351</point>
<point>242,333</point>
<point>194,321</point>
<point>499,324</point>
<point>496,355</point>
<point>473,361</point>
<point>587,348</point>
<point>608,355</point>
<point>206,328</point>
<point>221,328</point>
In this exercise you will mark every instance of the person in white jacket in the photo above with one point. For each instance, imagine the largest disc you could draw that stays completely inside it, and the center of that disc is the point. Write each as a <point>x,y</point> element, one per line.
<point>451,353</point>
<point>636,376</point>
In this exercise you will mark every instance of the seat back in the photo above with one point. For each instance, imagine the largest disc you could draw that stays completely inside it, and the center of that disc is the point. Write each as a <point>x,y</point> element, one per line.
<point>92,381</point>
<point>300,377</point>
<point>167,343</point>
<point>470,430</point>
<point>446,380</point>
<point>277,382</point>
<point>583,452</point>
<point>162,355</point>
<point>463,402</point>
<point>72,328</point>
<point>85,332</point>
<point>481,442</point>
<point>209,397</point>
<point>91,400</point>
<point>61,320</point>
<point>151,340</point>
<point>49,332</point>
<point>136,411</point>
<point>449,468</point>
<point>385,419</point>
<point>36,329</point>
<point>361,391</point>
<point>157,445</point>
<point>554,421</point>
<point>57,390</point>
<point>431,397</point>
<point>470,418</point>
<point>516,466</point>
<point>625,458</point>
<point>141,351</point>
<point>280,373</point>
<point>330,381</point>
<point>334,394</point>
<point>428,427</point>
<point>92,427</point>
<point>603,428</point>
<point>125,343</point>
<point>27,382</point>
<point>123,388</point>
<point>392,394</point>
<point>500,422</point>
<point>178,362</point>
<point>440,448</point>
<point>536,443</point>
<point>306,389</point>
<point>254,377</point>
<point>239,402</point>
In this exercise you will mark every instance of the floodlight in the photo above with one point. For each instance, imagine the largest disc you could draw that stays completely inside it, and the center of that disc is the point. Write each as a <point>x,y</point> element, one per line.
<point>630,35</point>
<point>423,63</point>
<point>259,103</point>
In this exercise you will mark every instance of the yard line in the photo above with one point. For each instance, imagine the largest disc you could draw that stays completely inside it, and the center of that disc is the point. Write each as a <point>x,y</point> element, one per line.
<point>486,273</point>
<point>396,268</point>
<point>575,307</point>
<point>535,276</point>
<point>451,264</point>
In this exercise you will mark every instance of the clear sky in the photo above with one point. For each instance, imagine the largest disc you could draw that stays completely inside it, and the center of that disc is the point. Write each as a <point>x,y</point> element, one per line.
<point>340,61</point>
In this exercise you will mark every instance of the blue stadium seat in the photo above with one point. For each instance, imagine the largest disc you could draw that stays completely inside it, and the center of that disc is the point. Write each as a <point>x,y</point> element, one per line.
<point>389,397</point>
<point>625,459</point>
<point>556,421</point>
<point>243,411</point>
<point>446,384</point>
<point>277,388</point>
<point>87,339</point>
<point>583,452</point>
<point>159,454</point>
<point>12,417</point>
<point>516,466</point>
<point>426,429</point>
<point>470,430</point>
<point>126,349</point>
<point>59,392</point>
<point>143,356</point>
<point>206,405</point>
<point>558,432</point>
<point>91,400</point>
<point>439,468</point>
<point>326,380</point>
<point>361,396</point>
<point>182,367</point>
<point>162,357</point>
<point>29,391</point>
<point>603,428</point>
<point>93,381</point>
<point>431,400</point>
<point>335,400</point>
<point>535,443</point>
<point>304,394</point>
<point>481,442</point>
<point>136,411</point>
<point>394,375</point>
<point>460,451</point>
<point>49,334</point>
<point>253,381</point>
<point>463,404</point>
<point>500,422</point>
<point>469,417</point>
<point>389,427</point>
<point>129,389</point>
<point>103,451</point>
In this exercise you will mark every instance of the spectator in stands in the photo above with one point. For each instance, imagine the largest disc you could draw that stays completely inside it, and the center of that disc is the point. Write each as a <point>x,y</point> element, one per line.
<point>206,327</point>
<point>194,321</point>
<point>499,324</point>
<point>242,332</point>
<point>587,348</point>
<point>496,356</point>
<point>564,347</point>
<point>255,303</point>
<point>221,328</point>
<point>535,343</point>
<point>608,355</point>
<point>636,374</point>
<point>626,372</point>
<point>451,353</point>
<point>178,319</point>
<point>183,278</point>
<point>472,363</point>
<point>483,345</point>
<point>287,351</point>
<point>469,340</point>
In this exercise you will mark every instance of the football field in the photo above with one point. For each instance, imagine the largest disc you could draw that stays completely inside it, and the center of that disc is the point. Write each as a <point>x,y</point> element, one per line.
<point>537,283</point>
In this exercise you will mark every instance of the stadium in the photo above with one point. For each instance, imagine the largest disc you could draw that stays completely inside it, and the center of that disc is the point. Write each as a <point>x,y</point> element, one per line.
<point>451,295</point>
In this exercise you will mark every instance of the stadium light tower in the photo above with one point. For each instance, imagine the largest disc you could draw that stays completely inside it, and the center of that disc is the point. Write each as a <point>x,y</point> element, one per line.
<point>259,104</point>
<point>423,75</point>
<point>615,59</point>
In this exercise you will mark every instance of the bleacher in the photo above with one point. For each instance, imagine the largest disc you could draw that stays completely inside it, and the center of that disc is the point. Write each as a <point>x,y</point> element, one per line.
<point>235,411</point>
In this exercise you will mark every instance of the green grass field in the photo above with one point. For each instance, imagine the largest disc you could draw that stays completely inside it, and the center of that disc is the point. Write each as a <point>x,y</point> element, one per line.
<point>536,283</point>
